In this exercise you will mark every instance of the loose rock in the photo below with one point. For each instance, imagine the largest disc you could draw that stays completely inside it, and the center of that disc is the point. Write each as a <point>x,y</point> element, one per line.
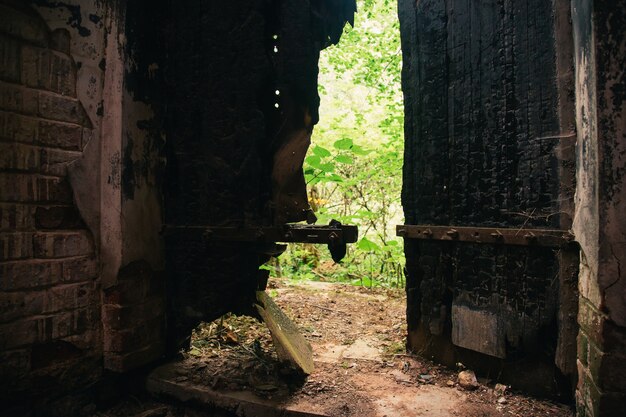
<point>467,380</point>
<point>500,389</point>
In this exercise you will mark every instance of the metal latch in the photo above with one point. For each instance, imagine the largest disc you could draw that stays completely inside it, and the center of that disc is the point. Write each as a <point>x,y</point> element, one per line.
<point>335,235</point>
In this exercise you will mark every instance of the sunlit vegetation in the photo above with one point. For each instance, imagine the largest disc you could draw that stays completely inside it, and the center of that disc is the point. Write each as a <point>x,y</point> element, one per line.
<point>353,169</point>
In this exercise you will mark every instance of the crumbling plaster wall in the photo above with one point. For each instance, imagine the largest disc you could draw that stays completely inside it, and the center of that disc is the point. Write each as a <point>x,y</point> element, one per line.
<point>116,181</point>
<point>599,223</point>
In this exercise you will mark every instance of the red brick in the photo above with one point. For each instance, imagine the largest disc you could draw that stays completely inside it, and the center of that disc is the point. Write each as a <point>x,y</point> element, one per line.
<point>118,317</point>
<point>91,339</point>
<point>31,159</point>
<point>60,135</point>
<point>19,157</point>
<point>57,217</point>
<point>16,305</point>
<point>18,128</point>
<point>80,269</point>
<point>9,59</point>
<point>62,74</point>
<point>21,187</point>
<point>55,162</point>
<point>136,338</point>
<point>20,333</point>
<point>21,25</point>
<point>64,297</point>
<point>54,190</point>
<point>36,67</point>
<point>15,246</point>
<point>30,273</point>
<point>70,296</point>
<point>62,244</point>
<point>16,217</point>
<point>18,99</point>
<point>17,187</point>
<point>63,109</point>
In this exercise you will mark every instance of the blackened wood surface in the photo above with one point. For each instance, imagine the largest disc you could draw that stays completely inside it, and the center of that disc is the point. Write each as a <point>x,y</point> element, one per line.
<point>484,147</point>
<point>242,102</point>
<point>218,63</point>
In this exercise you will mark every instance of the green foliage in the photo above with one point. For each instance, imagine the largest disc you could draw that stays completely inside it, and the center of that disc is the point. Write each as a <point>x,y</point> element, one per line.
<point>354,168</point>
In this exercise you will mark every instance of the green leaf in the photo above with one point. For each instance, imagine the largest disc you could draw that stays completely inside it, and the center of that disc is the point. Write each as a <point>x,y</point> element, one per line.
<point>335,178</point>
<point>367,245</point>
<point>327,167</point>
<point>360,151</point>
<point>321,152</point>
<point>343,144</point>
<point>344,159</point>
<point>314,161</point>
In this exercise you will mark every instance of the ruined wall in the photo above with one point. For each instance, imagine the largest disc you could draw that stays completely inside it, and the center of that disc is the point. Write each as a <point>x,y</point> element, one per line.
<point>599,224</point>
<point>489,142</point>
<point>81,266</point>
<point>50,334</point>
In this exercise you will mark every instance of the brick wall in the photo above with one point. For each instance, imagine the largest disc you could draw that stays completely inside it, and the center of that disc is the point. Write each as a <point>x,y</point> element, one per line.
<point>134,318</point>
<point>50,337</point>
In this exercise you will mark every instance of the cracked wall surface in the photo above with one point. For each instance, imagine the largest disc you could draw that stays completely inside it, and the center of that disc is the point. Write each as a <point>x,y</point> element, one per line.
<point>599,223</point>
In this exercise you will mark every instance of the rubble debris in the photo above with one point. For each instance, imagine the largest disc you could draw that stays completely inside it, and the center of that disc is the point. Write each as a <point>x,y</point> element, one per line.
<point>467,380</point>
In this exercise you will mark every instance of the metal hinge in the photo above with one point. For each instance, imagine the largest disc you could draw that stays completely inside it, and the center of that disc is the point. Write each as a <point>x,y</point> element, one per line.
<point>488,235</point>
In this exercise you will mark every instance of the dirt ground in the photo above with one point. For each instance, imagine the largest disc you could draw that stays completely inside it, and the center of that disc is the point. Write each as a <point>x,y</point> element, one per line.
<point>362,369</point>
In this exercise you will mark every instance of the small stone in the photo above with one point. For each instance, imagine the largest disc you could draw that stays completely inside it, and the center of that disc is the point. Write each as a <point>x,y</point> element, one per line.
<point>450,383</point>
<point>467,380</point>
<point>401,377</point>
<point>500,389</point>
<point>502,400</point>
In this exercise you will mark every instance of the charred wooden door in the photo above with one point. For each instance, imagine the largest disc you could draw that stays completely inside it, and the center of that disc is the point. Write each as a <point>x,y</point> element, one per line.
<point>490,143</point>
<point>242,102</point>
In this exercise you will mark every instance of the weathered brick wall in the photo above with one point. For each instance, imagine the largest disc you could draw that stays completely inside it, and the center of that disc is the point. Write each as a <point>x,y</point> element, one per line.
<point>600,224</point>
<point>133,317</point>
<point>50,338</point>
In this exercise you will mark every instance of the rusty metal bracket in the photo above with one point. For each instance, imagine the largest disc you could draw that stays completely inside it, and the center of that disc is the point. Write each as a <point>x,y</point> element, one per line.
<point>335,234</point>
<point>489,235</point>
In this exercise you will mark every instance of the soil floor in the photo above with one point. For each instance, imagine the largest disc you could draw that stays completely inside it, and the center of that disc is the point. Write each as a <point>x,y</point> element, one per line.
<point>357,335</point>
